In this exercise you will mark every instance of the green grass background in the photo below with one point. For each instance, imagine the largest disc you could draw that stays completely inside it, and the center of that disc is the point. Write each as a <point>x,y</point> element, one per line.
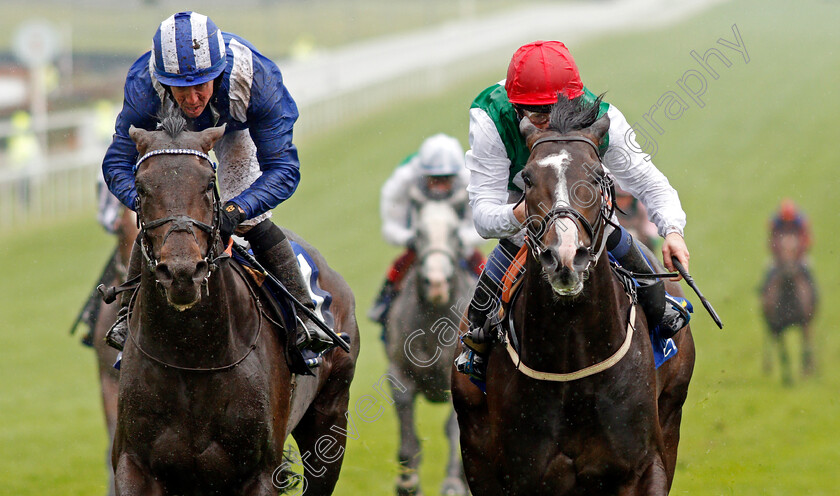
<point>766,131</point>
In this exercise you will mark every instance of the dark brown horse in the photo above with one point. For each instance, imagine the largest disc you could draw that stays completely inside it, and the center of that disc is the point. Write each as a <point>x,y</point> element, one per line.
<point>789,298</point>
<point>109,377</point>
<point>206,398</point>
<point>574,404</point>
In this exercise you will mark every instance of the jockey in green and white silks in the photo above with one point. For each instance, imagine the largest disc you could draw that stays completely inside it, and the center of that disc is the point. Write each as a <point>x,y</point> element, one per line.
<point>537,73</point>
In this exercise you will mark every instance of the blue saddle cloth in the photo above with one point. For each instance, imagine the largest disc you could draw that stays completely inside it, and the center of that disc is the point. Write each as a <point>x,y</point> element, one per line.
<point>321,298</point>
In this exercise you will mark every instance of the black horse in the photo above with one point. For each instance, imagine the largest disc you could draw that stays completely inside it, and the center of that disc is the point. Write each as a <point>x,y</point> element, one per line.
<point>574,404</point>
<point>206,397</point>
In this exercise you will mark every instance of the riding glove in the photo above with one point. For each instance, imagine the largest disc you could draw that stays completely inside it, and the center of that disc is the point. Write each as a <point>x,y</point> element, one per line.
<point>232,216</point>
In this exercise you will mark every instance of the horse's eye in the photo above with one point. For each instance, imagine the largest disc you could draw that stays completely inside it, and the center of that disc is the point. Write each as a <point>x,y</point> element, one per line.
<point>527,180</point>
<point>211,186</point>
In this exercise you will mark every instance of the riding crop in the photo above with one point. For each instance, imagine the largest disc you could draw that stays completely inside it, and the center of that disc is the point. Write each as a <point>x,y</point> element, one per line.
<point>690,281</point>
<point>309,313</point>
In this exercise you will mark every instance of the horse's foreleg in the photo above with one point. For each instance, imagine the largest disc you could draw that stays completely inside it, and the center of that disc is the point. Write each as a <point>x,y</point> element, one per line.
<point>455,482</point>
<point>408,482</point>
<point>784,359</point>
<point>110,393</point>
<point>131,478</point>
<point>321,437</point>
<point>808,365</point>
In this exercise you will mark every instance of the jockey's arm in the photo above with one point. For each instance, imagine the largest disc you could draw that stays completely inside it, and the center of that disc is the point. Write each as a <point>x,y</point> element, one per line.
<point>489,168</point>
<point>271,117</point>
<point>395,206</point>
<point>636,174</point>
<point>140,105</point>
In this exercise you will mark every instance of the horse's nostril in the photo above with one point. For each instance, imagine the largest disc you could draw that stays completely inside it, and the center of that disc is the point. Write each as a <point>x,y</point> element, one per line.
<point>549,260</point>
<point>202,269</point>
<point>162,274</point>
<point>581,258</point>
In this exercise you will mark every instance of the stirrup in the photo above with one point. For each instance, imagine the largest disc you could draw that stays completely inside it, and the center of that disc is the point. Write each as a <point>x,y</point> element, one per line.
<point>117,334</point>
<point>313,338</point>
<point>472,363</point>
<point>677,315</point>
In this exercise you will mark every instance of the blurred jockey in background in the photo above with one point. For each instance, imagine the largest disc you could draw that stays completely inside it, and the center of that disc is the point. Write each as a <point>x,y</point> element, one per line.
<point>633,217</point>
<point>437,171</point>
<point>790,220</point>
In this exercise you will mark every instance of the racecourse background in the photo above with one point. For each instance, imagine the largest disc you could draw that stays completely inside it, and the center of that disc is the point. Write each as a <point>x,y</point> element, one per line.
<point>764,132</point>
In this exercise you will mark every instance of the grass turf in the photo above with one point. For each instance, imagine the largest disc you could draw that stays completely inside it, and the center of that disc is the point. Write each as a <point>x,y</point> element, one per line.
<point>762,134</point>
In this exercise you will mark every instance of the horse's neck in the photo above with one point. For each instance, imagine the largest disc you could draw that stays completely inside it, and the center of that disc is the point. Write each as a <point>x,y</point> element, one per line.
<point>203,330</point>
<point>565,333</point>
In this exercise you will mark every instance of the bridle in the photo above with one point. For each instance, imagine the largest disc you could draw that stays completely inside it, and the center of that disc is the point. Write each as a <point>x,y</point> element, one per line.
<point>181,223</point>
<point>597,234</point>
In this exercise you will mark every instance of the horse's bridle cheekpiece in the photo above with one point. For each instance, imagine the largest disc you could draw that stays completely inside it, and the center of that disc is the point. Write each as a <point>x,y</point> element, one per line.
<point>605,213</point>
<point>182,223</point>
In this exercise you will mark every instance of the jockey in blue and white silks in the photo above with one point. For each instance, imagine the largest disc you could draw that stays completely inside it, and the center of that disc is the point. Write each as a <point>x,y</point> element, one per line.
<point>217,78</point>
<point>249,95</point>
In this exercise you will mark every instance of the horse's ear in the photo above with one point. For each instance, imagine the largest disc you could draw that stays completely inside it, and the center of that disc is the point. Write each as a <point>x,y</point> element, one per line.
<point>209,137</point>
<point>528,129</point>
<point>599,128</point>
<point>141,137</point>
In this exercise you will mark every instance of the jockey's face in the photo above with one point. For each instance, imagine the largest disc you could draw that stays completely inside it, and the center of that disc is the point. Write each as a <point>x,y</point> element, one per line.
<point>193,99</point>
<point>439,185</point>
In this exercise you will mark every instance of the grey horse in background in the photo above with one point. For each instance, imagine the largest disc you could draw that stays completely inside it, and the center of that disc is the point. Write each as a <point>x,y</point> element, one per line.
<point>422,331</point>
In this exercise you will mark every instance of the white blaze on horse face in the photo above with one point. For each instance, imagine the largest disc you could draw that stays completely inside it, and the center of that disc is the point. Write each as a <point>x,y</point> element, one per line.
<point>437,222</point>
<point>564,227</point>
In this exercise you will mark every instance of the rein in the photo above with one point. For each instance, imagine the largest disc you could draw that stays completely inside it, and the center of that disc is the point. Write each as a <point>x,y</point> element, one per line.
<point>255,302</point>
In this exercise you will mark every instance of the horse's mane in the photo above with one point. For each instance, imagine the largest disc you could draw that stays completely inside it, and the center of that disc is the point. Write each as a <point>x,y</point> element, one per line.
<point>171,119</point>
<point>570,115</point>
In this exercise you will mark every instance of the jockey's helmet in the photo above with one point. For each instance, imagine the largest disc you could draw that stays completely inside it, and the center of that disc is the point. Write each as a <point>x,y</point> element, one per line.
<point>441,155</point>
<point>787,210</point>
<point>540,70</point>
<point>188,50</point>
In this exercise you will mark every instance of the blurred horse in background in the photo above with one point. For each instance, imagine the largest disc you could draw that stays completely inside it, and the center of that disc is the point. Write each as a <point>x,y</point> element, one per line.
<point>421,335</point>
<point>109,377</point>
<point>789,298</point>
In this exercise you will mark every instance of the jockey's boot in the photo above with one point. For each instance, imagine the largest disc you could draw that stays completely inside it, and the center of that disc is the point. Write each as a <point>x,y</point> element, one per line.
<point>473,359</point>
<point>379,310</point>
<point>118,333</point>
<point>275,253</point>
<point>670,313</point>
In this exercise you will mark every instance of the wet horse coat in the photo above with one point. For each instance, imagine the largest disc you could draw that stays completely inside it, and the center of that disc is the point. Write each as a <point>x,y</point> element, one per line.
<point>206,399</point>
<point>614,431</point>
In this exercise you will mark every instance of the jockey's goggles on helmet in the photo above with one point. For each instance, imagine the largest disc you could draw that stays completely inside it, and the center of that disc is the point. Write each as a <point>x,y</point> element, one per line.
<point>538,116</point>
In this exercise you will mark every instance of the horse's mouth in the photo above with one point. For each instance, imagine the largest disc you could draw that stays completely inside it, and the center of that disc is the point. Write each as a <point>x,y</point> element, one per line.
<point>183,298</point>
<point>566,283</point>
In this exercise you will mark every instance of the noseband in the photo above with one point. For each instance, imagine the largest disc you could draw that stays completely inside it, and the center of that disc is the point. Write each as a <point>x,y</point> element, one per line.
<point>605,213</point>
<point>181,223</point>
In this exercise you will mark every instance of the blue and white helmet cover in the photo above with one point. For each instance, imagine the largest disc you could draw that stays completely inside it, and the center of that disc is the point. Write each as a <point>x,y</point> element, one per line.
<point>188,50</point>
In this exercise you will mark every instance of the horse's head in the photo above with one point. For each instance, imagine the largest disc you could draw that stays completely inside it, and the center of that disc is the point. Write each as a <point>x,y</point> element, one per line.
<point>567,193</point>
<point>788,250</point>
<point>177,207</point>
<point>438,247</point>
